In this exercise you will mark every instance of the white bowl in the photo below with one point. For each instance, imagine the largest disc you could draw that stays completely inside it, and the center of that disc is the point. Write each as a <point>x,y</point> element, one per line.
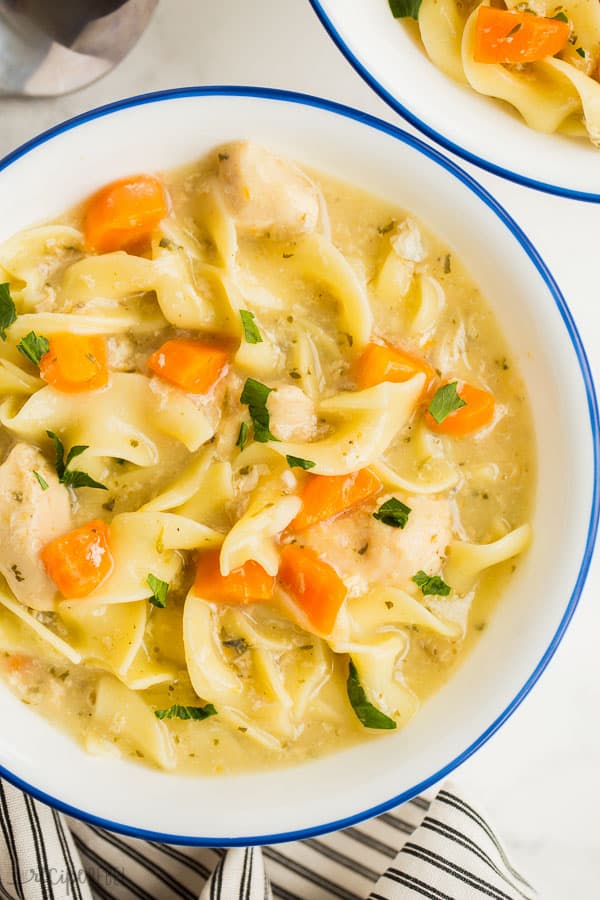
<point>166,129</point>
<point>482,130</point>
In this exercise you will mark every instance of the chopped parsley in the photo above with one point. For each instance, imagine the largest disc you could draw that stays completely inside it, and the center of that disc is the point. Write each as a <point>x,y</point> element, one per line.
<point>33,346</point>
<point>242,438</point>
<point>367,714</point>
<point>251,332</point>
<point>159,590</point>
<point>581,52</point>
<point>186,712</point>
<point>431,585</point>
<point>405,9</point>
<point>513,30</point>
<point>393,512</point>
<point>41,481</point>
<point>72,477</point>
<point>299,463</point>
<point>8,310</point>
<point>385,229</point>
<point>240,645</point>
<point>445,401</point>
<point>561,16</point>
<point>254,396</point>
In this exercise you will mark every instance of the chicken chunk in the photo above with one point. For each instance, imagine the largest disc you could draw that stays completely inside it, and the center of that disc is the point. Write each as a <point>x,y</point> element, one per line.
<point>366,552</point>
<point>293,416</point>
<point>30,517</point>
<point>265,193</point>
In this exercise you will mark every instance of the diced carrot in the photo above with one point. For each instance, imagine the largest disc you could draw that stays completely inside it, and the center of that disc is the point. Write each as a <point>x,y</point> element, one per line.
<point>248,584</point>
<point>382,362</point>
<point>313,585</point>
<point>75,363</point>
<point>478,412</point>
<point>324,496</point>
<point>193,366</point>
<point>509,36</point>
<point>79,561</point>
<point>124,213</point>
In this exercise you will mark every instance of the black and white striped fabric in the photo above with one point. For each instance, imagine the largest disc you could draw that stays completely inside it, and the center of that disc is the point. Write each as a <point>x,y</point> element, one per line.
<point>441,849</point>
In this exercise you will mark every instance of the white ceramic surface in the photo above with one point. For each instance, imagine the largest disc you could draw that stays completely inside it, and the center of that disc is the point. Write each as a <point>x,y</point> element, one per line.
<point>328,790</point>
<point>391,58</point>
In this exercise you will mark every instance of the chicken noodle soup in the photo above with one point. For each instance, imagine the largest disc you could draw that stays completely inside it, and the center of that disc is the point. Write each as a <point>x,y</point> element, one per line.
<point>541,57</point>
<point>267,464</point>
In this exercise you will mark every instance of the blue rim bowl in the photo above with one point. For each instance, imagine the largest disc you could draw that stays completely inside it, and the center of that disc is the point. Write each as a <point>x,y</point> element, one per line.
<point>592,406</point>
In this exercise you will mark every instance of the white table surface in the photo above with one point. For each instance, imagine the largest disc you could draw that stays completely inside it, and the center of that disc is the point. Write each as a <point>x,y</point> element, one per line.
<point>539,777</point>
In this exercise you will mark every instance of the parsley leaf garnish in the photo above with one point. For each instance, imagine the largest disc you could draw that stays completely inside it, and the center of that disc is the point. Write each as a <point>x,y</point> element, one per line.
<point>561,16</point>
<point>72,477</point>
<point>186,712</point>
<point>299,463</point>
<point>41,481</point>
<point>368,715</point>
<point>445,401</point>
<point>580,51</point>
<point>405,9</point>
<point>251,332</point>
<point>393,512</point>
<point>242,438</point>
<point>431,585</point>
<point>8,310</point>
<point>34,346</point>
<point>254,396</point>
<point>159,590</point>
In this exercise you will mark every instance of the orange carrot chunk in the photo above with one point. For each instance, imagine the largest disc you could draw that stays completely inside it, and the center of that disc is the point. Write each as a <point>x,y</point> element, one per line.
<point>248,584</point>
<point>79,561</point>
<point>75,363</point>
<point>124,213</point>
<point>313,585</point>
<point>192,366</point>
<point>508,36</point>
<point>324,496</point>
<point>477,412</point>
<point>382,362</point>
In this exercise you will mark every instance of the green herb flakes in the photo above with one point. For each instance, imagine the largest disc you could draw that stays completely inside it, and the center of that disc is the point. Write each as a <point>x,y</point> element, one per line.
<point>405,9</point>
<point>299,463</point>
<point>41,481</point>
<point>33,346</point>
<point>186,712</point>
<point>8,310</point>
<point>254,396</point>
<point>251,332</point>
<point>367,714</point>
<point>431,585</point>
<point>445,401</point>
<point>159,590</point>
<point>242,438</point>
<point>72,477</point>
<point>393,512</point>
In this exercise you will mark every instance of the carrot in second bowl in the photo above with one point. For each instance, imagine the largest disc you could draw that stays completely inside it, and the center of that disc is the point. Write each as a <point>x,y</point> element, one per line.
<point>250,583</point>
<point>75,363</point>
<point>79,561</point>
<point>509,36</point>
<point>313,585</point>
<point>124,213</point>
<point>325,496</point>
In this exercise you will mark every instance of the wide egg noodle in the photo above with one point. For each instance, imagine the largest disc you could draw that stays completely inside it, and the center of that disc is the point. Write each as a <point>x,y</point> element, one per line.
<point>122,713</point>
<point>130,419</point>
<point>364,423</point>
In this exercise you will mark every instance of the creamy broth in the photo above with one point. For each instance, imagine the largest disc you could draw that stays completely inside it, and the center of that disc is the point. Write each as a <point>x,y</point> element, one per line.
<point>187,479</point>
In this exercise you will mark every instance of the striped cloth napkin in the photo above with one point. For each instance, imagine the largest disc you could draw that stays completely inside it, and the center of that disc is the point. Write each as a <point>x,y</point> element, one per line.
<point>441,849</point>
